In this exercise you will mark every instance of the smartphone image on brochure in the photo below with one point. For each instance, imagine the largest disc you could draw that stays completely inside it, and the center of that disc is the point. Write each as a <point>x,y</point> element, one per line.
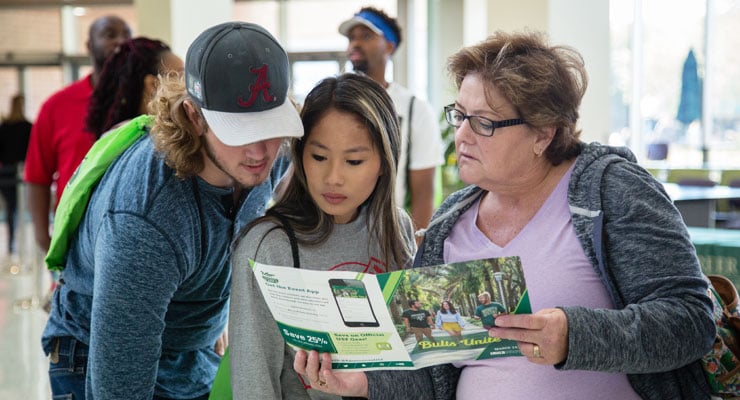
<point>353,303</point>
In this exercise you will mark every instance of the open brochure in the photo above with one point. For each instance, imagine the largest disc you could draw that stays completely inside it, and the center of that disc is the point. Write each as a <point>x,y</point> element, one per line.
<point>362,318</point>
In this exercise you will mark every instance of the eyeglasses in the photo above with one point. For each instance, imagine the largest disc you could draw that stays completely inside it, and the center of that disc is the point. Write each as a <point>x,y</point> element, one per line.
<point>480,125</point>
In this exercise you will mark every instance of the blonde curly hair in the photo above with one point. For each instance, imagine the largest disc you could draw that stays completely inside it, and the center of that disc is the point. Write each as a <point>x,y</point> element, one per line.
<point>174,135</point>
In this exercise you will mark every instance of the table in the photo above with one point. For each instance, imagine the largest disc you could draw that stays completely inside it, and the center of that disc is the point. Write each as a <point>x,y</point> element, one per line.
<point>698,204</point>
<point>718,251</point>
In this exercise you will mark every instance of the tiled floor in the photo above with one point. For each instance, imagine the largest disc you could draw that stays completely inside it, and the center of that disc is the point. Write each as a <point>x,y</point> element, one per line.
<point>23,366</point>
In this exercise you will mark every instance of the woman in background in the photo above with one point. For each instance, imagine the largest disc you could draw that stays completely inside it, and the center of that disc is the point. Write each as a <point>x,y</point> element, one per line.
<point>15,131</point>
<point>128,81</point>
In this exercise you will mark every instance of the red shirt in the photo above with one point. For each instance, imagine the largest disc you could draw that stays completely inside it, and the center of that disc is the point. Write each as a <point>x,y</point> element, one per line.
<point>59,140</point>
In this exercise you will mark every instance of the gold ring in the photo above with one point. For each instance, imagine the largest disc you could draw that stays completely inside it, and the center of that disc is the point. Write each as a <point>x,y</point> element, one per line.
<point>322,383</point>
<point>536,351</point>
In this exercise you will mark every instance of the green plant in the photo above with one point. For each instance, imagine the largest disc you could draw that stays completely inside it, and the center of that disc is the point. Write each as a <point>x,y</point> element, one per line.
<point>450,179</point>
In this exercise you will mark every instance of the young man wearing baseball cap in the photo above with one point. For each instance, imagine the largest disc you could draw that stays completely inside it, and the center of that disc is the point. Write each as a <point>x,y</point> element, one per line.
<point>145,285</point>
<point>373,39</point>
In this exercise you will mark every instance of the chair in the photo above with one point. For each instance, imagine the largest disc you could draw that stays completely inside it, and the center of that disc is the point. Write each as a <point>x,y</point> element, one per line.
<point>690,177</point>
<point>730,177</point>
<point>657,151</point>
<point>705,182</point>
<point>728,210</point>
<point>655,172</point>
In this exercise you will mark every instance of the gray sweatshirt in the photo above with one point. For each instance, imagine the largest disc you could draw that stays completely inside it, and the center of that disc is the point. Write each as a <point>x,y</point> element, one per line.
<point>638,244</point>
<point>261,362</point>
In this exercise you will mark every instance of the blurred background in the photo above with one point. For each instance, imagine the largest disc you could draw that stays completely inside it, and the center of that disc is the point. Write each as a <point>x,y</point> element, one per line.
<point>664,81</point>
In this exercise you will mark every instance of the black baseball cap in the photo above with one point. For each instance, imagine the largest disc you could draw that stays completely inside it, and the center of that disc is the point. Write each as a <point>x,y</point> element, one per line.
<point>239,75</point>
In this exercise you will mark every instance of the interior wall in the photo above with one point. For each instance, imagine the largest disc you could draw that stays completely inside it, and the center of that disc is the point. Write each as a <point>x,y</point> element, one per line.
<point>154,18</point>
<point>174,20</point>
<point>519,15</point>
<point>584,24</point>
<point>446,22</point>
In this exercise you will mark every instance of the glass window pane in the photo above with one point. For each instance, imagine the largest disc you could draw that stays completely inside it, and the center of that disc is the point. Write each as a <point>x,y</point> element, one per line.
<point>671,30</point>
<point>667,32</point>
<point>724,81</point>
<point>41,82</point>
<point>8,88</point>
<point>33,36</point>
<point>675,74</point>
<point>319,31</point>
<point>30,30</point>
<point>263,13</point>
<point>306,74</point>
<point>620,87</point>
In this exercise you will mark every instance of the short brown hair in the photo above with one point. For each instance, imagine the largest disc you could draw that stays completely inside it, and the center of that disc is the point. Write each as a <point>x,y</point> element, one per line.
<point>544,83</point>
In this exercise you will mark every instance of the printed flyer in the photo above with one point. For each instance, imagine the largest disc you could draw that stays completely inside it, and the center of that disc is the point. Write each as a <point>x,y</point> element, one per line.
<point>398,320</point>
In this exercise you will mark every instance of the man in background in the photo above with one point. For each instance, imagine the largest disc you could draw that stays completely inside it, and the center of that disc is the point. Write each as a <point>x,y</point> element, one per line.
<point>373,38</point>
<point>59,141</point>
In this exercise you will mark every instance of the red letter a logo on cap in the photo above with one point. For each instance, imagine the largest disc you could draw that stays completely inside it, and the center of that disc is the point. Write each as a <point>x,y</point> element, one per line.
<point>261,85</point>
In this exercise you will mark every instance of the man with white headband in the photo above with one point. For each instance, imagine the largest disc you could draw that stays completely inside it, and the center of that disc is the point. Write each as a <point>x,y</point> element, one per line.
<point>373,38</point>
<point>144,289</point>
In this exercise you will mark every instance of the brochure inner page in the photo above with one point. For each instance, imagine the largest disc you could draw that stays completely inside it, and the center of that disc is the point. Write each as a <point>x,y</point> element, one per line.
<point>399,320</point>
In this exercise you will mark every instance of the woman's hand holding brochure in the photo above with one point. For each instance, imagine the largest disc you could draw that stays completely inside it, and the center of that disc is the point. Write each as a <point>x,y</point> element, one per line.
<point>317,368</point>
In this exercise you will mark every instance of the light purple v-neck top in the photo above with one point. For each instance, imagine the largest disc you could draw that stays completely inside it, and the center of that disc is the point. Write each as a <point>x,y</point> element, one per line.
<point>557,273</point>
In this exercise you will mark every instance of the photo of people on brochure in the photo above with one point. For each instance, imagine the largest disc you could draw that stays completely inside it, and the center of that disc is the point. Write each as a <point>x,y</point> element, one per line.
<point>451,307</point>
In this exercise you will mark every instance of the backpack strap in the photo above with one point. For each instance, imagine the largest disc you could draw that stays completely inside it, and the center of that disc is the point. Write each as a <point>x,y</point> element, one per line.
<point>291,235</point>
<point>76,195</point>
<point>221,388</point>
<point>408,151</point>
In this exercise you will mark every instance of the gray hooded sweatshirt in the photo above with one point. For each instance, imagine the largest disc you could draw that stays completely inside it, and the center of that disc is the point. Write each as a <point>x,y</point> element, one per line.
<point>638,244</point>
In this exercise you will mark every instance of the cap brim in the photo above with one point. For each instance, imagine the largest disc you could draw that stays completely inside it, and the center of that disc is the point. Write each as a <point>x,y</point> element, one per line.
<point>347,26</point>
<point>239,129</point>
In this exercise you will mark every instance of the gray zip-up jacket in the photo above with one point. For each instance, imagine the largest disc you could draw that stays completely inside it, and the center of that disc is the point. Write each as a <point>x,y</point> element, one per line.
<point>638,244</point>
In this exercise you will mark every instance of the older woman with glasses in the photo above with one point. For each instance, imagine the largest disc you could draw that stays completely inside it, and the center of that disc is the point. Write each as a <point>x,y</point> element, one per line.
<point>620,306</point>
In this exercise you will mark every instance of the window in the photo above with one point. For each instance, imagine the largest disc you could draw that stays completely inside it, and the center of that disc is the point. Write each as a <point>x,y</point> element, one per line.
<point>667,57</point>
<point>31,49</point>
<point>315,47</point>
